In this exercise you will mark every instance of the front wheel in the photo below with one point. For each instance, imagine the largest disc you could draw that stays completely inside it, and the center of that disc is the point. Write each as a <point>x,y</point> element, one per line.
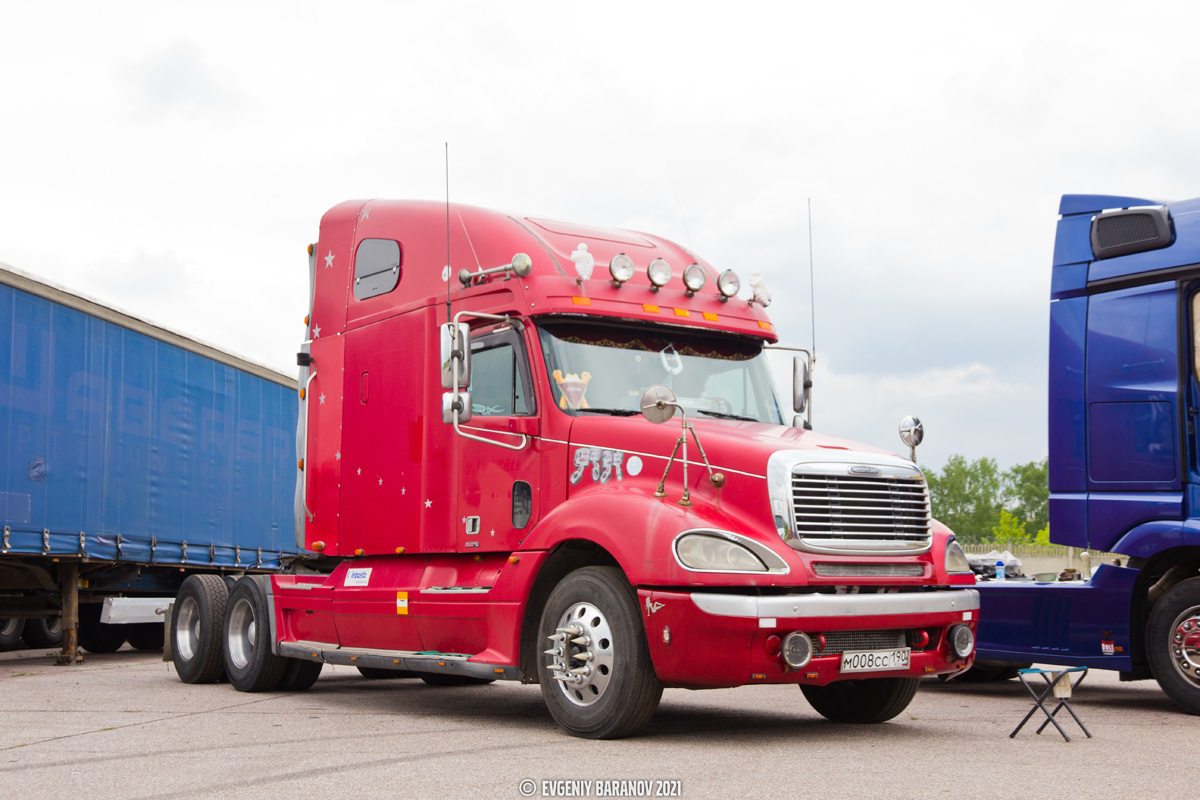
<point>863,701</point>
<point>596,675</point>
<point>1173,644</point>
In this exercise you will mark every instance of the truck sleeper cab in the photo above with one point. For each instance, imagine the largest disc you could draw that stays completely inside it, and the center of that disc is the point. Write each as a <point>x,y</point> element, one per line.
<point>1124,468</point>
<point>561,460</point>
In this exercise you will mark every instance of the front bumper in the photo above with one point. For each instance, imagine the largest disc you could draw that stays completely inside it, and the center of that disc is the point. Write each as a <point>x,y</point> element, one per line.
<point>710,640</point>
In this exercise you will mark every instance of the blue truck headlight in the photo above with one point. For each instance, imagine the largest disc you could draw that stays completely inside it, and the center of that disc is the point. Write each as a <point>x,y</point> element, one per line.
<point>956,559</point>
<point>713,554</point>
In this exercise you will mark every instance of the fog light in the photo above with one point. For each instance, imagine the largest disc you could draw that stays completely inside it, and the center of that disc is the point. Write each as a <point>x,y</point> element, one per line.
<point>694,279</point>
<point>797,649</point>
<point>621,268</point>
<point>728,284</point>
<point>962,641</point>
<point>659,273</point>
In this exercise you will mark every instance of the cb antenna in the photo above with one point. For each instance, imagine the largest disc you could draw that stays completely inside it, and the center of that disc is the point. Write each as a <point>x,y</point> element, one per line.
<point>448,317</point>
<point>811,290</point>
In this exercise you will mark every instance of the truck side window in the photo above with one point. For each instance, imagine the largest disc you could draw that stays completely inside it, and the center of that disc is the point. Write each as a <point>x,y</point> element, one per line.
<point>376,267</point>
<point>499,377</point>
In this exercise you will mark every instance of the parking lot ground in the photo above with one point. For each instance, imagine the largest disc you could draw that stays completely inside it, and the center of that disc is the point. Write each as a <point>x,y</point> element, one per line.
<point>123,725</point>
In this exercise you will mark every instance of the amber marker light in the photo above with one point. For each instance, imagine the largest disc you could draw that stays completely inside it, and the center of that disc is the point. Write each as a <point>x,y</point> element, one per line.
<point>318,546</point>
<point>310,249</point>
<point>513,559</point>
<point>300,463</point>
<point>358,551</point>
<point>399,549</point>
<point>302,394</point>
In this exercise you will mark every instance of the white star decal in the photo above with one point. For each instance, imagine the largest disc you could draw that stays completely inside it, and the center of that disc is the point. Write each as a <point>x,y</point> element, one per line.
<point>366,213</point>
<point>464,520</point>
<point>493,531</point>
<point>322,398</point>
<point>329,260</point>
<point>337,456</point>
<point>403,490</point>
<point>317,332</point>
<point>381,481</point>
<point>360,470</point>
<point>429,504</point>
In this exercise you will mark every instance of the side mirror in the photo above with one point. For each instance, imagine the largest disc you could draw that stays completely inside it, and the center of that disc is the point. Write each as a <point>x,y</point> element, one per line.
<point>522,265</point>
<point>801,384</point>
<point>658,404</point>
<point>911,433</point>
<point>456,343</point>
<point>464,407</point>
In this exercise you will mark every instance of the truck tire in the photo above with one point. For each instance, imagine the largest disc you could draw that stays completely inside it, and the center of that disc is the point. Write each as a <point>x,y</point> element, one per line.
<point>593,612</point>
<point>300,675</point>
<point>96,636</point>
<point>1173,644</point>
<point>249,662</point>
<point>380,674</point>
<point>146,636</point>
<point>42,633</point>
<point>861,702</point>
<point>10,633</point>
<point>196,625</point>
<point>441,679</point>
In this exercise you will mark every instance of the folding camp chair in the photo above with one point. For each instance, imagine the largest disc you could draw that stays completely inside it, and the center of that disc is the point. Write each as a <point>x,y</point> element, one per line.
<point>1061,687</point>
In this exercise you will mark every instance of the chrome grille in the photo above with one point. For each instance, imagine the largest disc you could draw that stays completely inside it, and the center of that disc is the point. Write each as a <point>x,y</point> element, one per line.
<point>869,570</point>
<point>837,642</point>
<point>849,513</point>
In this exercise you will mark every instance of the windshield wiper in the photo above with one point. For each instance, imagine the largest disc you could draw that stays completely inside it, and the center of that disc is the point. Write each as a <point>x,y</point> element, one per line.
<point>719,415</point>
<point>612,412</point>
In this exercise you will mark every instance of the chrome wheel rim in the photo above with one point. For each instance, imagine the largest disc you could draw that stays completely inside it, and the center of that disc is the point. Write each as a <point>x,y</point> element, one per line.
<point>1185,644</point>
<point>239,641</point>
<point>581,654</point>
<point>187,629</point>
<point>8,626</point>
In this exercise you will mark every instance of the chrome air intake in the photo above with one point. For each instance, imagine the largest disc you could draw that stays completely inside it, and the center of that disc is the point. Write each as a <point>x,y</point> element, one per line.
<point>849,503</point>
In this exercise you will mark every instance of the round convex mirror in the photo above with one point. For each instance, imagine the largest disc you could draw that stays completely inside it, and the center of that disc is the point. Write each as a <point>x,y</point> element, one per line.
<point>658,404</point>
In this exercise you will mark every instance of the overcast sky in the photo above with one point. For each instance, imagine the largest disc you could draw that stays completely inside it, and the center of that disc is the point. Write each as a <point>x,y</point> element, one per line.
<point>175,161</point>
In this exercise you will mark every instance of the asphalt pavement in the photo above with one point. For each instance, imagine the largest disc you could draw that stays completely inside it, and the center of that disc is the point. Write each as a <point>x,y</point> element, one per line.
<point>124,726</point>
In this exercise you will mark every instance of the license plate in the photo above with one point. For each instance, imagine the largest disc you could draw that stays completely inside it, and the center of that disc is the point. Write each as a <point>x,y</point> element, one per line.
<point>875,660</point>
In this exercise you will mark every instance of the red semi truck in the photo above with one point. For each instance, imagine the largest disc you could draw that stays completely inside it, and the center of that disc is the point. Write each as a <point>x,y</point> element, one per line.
<point>562,461</point>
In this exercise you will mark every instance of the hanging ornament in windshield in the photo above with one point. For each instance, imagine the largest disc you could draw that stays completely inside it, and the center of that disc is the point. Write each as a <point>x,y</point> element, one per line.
<point>671,361</point>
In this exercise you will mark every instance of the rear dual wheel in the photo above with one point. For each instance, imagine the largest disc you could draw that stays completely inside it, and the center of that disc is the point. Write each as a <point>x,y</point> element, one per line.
<point>249,662</point>
<point>45,632</point>
<point>10,633</point>
<point>196,626</point>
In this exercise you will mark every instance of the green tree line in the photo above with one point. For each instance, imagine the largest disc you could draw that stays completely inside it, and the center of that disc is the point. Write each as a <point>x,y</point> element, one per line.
<point>982,504</point>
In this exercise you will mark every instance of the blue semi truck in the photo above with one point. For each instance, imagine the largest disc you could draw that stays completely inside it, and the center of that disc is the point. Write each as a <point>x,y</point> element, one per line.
<point>131,457</point>
<point>1124,451</point>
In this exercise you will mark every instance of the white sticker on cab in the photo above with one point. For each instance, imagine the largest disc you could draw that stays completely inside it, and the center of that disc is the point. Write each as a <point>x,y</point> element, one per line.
<point>357,577</point>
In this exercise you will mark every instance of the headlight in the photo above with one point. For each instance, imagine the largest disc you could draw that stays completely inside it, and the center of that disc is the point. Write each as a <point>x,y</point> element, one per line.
<point>659,272</point>
<point>797,649</point>
<point>710,554</point>
<point>621,268</point>
<point>962,641</point>
<point>728,283</point>
<point>956,559</point>
<point>694,278</point>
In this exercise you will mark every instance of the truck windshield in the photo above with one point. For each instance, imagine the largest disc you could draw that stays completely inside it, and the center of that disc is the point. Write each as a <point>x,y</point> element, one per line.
<point>605,369</point>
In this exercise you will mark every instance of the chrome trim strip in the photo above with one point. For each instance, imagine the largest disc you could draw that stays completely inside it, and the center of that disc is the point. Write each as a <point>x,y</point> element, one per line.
<point>457,590</point>
<point>837,605</point>
<point>270,592</point>
<point>659,456</point>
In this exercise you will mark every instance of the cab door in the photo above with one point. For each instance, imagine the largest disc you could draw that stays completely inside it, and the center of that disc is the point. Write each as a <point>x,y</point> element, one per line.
<point>497,488</point>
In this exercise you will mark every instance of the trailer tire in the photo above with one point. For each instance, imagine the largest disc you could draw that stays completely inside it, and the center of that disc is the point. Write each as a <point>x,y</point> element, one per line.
<point>442,679</point>
<point>1173,644</point>
<point>44,632</point>
<point>96,636</point>
<point>197,623</point>
<point>381,674</point>
<point>620,692</point>
<point>146,636</point>
<point>862,702</point>
<point>249,662</point>
<point>10,633</point>
<point>300,675</point>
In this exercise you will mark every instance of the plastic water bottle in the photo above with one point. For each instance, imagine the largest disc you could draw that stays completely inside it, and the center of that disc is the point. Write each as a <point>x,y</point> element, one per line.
<point>999,570</point>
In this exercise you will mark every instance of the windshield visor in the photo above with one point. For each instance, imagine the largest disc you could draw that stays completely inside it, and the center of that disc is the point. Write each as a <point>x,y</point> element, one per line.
<point>604,370</point>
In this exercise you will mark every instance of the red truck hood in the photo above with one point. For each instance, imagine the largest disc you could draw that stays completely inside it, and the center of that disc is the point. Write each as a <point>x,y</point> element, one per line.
<point>729,444</point>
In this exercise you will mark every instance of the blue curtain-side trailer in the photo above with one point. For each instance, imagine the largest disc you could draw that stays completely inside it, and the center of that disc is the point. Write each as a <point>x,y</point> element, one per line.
<point>130,457</point>
<point>1124,463</point>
